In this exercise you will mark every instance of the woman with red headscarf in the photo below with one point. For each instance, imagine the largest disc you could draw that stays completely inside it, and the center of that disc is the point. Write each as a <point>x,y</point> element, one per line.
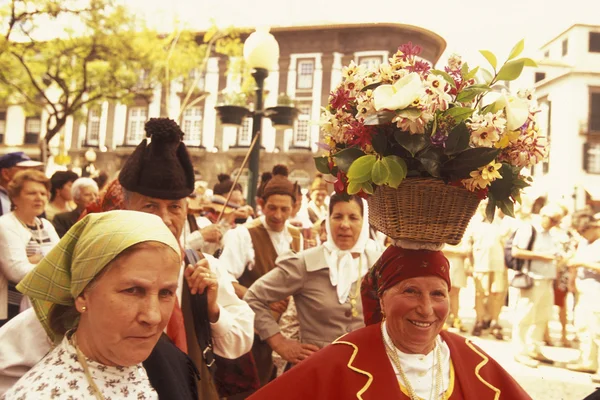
<point>402,353</point>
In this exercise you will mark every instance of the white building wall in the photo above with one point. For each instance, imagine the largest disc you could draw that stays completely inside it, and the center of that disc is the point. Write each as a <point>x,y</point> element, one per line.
<point>119,128</point>
<point>211,85</point>
<point>15,126</point>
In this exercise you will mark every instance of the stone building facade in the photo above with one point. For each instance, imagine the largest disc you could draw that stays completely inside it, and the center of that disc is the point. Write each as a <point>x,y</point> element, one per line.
<point>310,66</point>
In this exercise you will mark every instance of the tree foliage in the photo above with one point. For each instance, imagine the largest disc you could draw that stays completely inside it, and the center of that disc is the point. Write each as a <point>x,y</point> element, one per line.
<point>98,51</point>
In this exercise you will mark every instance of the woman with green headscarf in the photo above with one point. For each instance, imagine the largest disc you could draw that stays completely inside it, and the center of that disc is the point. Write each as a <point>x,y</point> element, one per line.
<point>104,295</point>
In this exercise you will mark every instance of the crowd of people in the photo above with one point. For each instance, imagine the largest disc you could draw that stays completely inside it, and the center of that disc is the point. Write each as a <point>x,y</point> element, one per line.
<point>154,286</point>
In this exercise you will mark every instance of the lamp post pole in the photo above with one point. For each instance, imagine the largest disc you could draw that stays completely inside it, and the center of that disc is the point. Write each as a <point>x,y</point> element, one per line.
<point>259,74</point>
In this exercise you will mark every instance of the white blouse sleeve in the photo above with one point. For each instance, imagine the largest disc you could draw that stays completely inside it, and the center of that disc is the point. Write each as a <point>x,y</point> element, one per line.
<point>233,333</point>
<point>238,251</point>
<point>14,263</point>
<point>23,343</point>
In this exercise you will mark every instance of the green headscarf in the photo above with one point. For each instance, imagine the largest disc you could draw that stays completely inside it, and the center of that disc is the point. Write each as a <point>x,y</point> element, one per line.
<point>89,246</point>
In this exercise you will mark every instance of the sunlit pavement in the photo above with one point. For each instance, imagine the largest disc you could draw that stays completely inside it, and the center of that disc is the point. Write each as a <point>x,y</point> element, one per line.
<point>542,383</point>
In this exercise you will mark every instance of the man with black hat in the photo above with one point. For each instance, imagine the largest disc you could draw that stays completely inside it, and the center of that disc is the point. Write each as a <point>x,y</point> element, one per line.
<point>250,250</point>
<point>10,164</point>
<point>156,179</point>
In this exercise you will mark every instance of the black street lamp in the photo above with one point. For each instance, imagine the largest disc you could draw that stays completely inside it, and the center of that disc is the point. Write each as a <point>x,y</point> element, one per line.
<point>261,52</point>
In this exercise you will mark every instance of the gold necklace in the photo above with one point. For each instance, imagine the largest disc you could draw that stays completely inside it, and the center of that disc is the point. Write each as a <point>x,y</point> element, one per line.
<point>86,370</point>
<point>393,354</point>
<point>353,299</point>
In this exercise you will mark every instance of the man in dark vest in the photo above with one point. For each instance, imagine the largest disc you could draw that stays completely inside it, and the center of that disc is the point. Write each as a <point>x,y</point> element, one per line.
<point>250,250</point>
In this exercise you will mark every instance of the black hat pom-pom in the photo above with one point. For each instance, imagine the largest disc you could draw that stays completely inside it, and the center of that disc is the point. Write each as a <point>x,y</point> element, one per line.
<point>164,130</point>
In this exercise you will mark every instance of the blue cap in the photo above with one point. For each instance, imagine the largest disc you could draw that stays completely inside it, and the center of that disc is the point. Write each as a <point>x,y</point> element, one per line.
<point>17,159</point>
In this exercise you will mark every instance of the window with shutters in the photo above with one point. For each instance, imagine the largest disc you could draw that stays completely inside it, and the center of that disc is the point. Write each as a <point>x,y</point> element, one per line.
<point>594,46</point>
<point>594,112</point>
<point>93,126</point>
<point>591,158</point>
<point>33,128</point>
<point>302,128</point>
<point>244,134</point>
<point>370,61</point>
<point>136,119</point>
<point>305,74</point>
<point>192,126</point>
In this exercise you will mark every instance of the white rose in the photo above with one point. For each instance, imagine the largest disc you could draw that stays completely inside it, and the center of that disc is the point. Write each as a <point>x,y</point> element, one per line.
<point>399,95</point>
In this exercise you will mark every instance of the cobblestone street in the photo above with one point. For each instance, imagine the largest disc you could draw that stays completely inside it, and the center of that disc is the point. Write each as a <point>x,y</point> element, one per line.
<point>544,382</point>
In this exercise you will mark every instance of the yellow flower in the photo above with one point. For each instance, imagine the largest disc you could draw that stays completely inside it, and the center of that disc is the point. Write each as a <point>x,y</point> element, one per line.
<point>508,138</point>
<point>483,177</point>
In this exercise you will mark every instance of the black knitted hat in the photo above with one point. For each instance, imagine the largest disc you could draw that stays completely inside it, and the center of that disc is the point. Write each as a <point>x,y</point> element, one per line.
<point>225,184</point>
<point>162,169</point>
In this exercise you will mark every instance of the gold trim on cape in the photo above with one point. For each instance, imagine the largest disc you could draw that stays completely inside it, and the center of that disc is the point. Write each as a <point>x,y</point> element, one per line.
<point>353,368</point>
<point>481,365</point>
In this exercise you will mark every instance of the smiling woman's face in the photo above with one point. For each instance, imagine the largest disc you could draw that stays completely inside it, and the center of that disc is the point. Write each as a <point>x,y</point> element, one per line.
<point>415,311</point>
<point>128,307</point>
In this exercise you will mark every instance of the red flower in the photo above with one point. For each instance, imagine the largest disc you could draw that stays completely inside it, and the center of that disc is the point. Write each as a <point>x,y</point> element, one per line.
<point>409,50</point>
<point>340,184</point>
<point>362,135</point>
<point>419,66</point>
<point>340,99</point>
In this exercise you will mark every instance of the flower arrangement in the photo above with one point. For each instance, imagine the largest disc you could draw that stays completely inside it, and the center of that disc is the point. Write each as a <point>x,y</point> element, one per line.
<point>404,119</point>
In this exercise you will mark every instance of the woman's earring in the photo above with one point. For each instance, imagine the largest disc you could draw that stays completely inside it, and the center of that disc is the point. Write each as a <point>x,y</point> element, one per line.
<point>83,309</point>
<point>382,315</point>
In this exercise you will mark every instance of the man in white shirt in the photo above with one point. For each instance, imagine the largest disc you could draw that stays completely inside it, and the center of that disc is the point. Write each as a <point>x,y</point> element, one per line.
<point>533,310</point>
<point>250,250</point>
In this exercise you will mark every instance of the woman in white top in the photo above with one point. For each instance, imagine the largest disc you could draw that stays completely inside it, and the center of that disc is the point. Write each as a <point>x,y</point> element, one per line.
<point>24,237</point>
<point>324,282</point>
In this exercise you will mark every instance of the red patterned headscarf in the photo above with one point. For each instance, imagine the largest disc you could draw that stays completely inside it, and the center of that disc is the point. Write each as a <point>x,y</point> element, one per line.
<point>396,265</point>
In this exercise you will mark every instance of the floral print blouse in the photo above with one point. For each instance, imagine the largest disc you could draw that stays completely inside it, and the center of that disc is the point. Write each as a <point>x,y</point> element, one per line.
<point>60,376</point>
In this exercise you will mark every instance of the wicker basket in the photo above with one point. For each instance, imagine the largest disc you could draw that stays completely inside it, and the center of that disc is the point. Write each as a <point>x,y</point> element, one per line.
<point>423,210</point>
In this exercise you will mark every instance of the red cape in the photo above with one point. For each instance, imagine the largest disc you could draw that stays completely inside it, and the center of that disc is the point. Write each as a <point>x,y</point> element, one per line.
<point>356,366</point>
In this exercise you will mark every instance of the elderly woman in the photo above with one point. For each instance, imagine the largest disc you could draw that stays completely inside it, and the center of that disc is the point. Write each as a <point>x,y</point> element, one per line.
<point>104,296</point>
<point>24,237</point>
<point>403,353</point>
<point>324,282</point>
<point>84,192</point>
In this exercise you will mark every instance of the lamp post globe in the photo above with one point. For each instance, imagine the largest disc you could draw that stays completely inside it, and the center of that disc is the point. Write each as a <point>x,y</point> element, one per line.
<point>261,52</point>
<point>261,49</point>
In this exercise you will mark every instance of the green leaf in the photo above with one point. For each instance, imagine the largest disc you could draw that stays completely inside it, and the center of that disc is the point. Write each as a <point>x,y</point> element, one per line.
<point>360,170</point>
<point>465,69</point>
<point>471,74</point>
<point>371,86</point>
<point>382,117</point>
<point>487,76</point>
<point>511,70</point>
<point>346,157</point>
<point>458,139</point>
<point>354,187</point>
<point>490,57</point>
<point>528,62</point>
<point>518,49</point>
<point>380,142</point>
<point>431,160</point>
<point>459,113</point>
<point>367,187</point>
<point>490,108</point>
<point>469,160</point>
<point>322,164</point>
<point>380,172</point>
<point>490,209</point>
<point>412,143</point>
<point>397,168</point>
<point>507,207</point>
<point>445,75</point>
<point>470,92</point>
<point>501,189</point>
